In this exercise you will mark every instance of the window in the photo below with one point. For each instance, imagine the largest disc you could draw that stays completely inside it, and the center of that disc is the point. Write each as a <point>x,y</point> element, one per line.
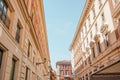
<point>89,21</point>
<point>66,72</point>
<point>96,27</point>
<point>61,72</point>
<point>60,66</point>
<point>103,17</point>
<point>26,75</point>
<point>3,13</point>
<point>99,49</point>
<point>79,78</point>
<point>89,60</point>
<point>100,3</point>
<point>1,55</point>
<point>86,77</point>
<point>91,34</point>
<point>34,58</point>
<point>85,62</point>
<point>71,71</point>
<point>116,1</point>
<point>18,33</point>
<point>29,45</point>
<point>87,40</point>
<point>83,78</point>
<point>12,69</point>
<point>84,45</point>
<point>3,9</point>
<point>93,52</point>
<point>66,66</point>
<point>106,40</point>
<point>93,9</point>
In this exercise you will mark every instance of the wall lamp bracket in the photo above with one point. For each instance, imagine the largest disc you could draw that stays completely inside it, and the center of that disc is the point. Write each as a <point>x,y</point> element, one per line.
<point>44,61</point>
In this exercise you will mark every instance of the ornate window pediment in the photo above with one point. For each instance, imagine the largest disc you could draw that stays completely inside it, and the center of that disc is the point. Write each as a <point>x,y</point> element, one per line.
<point>104,28</point>
<point>97,36</point>
<point>92,43</point>
<point>83,51</point>
<point>87,48</point>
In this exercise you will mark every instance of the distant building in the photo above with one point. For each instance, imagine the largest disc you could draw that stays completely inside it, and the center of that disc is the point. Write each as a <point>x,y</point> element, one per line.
<point>64,70</point>
<point>96,44</point>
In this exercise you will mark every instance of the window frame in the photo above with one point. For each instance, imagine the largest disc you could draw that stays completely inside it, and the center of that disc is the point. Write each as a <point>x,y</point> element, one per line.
<point>12,72</point>
<point>1,57</point>
<point>18,32</point>
<point>4,7</point>
<point>27,73</point>
<point>107,39</point>
<point>98,46</point>
<point>93,52</point>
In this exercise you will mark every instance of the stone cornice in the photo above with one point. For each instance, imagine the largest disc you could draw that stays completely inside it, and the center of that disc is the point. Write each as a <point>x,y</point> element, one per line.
<point>45,33</point>
<point>44,26</point>
<point>81,21</point>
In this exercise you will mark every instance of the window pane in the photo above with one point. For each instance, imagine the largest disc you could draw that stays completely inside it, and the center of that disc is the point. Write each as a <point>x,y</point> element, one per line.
<point>17,33</point>
<point>93,52</point>
<point>1,54</point>
<point>29,45</point>
<point>26,76</point>
<point>99,48</point>
<point>12,69</point>
<point>1,5</point>
<point>5,10</point>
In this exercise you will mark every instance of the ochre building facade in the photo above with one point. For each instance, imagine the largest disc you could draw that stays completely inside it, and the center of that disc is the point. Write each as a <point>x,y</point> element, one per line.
<point>96,44</point>
<point>24,53</point>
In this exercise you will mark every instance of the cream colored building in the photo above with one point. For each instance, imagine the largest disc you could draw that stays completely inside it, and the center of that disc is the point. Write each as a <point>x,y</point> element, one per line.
<point>22,53</point>
<point>96,44</point>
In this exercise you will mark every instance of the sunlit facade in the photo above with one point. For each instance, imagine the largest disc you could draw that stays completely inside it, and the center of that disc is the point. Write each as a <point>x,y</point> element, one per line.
<point>23,41</point>
<point>64,70</point>
<point>96,44</point>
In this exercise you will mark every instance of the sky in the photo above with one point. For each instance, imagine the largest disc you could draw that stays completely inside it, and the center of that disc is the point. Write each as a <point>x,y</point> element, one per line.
<point>62,17</point>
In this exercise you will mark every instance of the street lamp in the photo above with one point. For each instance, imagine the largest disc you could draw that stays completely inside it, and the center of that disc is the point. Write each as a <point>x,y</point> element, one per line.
<point>44,61</point>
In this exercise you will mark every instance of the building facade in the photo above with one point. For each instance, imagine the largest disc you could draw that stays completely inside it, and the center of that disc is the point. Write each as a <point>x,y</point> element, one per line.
<point>64,70</point>
<point>96,44</point>
<point>24,53</point>
<point>53,75</point>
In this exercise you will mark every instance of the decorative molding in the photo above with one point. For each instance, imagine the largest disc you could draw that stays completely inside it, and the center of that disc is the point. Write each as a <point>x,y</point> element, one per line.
<point>9,5</point>
<point>87,48</point>
<point>92,43</point>
<point>97,36</point>
<point>104,28</point>
<point>83,51</point>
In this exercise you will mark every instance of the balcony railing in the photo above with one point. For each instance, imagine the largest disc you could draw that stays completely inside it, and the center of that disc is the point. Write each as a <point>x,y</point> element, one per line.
<point>4,19</point>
